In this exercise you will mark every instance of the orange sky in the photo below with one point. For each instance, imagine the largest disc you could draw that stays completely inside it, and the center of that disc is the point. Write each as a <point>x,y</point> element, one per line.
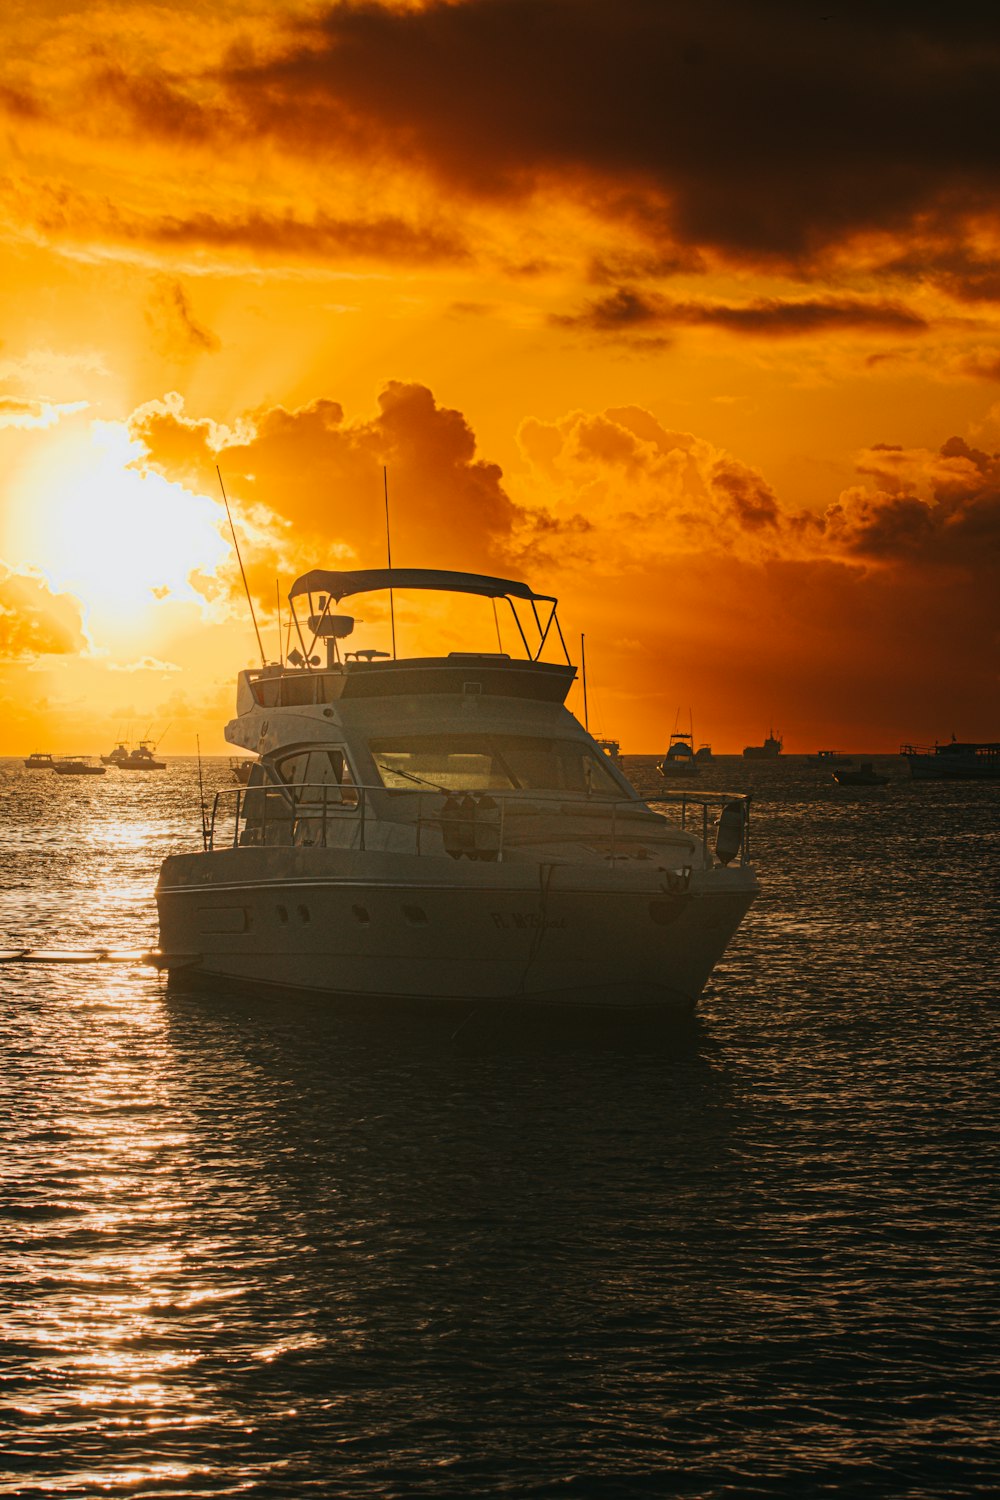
<point>688,314</point>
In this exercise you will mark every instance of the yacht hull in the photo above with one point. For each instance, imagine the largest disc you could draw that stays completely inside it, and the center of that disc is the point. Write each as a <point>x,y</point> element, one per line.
<point>552,934</point>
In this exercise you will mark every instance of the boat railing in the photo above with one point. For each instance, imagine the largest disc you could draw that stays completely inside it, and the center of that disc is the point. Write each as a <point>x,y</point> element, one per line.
<point>475,824</point>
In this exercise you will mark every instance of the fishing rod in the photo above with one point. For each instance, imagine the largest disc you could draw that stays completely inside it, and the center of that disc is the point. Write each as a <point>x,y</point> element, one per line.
<point>201,793</point>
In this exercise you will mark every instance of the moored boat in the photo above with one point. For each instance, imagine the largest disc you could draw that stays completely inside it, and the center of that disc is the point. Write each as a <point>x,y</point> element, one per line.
<point>959,760</point>
<point>117,756</point>
<point>703,755</point>
<point>680,759</point>
<point>78,765</point>
<point>770,750</point>
<point>830,758</point>
<point>142,759</point>
<point>442,827</point>
<point>863,775</point>
<point>39,760</point>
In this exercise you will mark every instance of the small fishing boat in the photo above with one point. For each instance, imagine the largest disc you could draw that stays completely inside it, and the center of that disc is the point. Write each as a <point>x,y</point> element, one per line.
<point>830,758</point>
<point>39,760</point>
<point>77,765</point>
<point>612,750</point>
<point>241,770</point>
<point>863,775</point>
<point>142,759</point>
<point>117,755</point>
<point>703,755</point>
<point>680,759</point>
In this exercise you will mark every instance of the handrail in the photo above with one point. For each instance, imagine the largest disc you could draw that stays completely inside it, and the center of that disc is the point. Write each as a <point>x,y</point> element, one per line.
<point>474,823</point>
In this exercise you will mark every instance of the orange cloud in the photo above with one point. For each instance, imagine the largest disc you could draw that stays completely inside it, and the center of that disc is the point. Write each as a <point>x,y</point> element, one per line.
<point>318,478</point>
<point>35,622</point>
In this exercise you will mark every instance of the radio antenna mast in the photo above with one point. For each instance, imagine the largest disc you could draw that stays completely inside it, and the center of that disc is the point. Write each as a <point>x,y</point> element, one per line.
<point>388,553</point>
<point>583,670</point>
<point>246,586</point>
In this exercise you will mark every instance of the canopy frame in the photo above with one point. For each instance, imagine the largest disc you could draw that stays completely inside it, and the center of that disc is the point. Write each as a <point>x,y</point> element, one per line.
<point>338,585</point>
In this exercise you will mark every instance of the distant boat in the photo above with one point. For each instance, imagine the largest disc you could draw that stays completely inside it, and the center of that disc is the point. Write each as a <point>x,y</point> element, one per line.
<point>612,750</point>
<point>78,765</point>
<point>863,775</point>
<point>39,760</point>
<point>704,755</point>
<point>142,759</point>
<point>680,759</point>
<point>241,770</point>
<point>770,750</point>
<point>118,754</point>
<point>830,758</point>
<point>959,760</point>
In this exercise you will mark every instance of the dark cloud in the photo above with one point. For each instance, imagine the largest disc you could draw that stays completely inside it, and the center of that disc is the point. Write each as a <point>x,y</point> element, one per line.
<point>769,130</point>
<point>938,511</point>
<point>59,211</point>
<point>625,309</point>
<point>379,237</point>
<point>34,621</point>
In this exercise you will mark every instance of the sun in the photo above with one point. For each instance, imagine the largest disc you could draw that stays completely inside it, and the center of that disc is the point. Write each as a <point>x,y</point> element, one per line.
<point>122,540</point>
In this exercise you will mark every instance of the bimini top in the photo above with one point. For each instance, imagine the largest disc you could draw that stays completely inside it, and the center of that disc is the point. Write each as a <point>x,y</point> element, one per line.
<point>366,580</point>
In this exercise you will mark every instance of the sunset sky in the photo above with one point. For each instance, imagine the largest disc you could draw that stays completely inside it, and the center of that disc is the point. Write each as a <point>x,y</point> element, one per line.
<point>687,313</point>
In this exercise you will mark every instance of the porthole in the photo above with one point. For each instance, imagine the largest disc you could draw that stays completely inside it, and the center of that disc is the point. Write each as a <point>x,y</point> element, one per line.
<point>361,913</point>
<point>282,915</point>
<point>304,914</point>
<point>415,915</point>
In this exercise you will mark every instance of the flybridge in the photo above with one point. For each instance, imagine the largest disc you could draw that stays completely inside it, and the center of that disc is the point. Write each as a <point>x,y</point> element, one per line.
<point>324,588</point>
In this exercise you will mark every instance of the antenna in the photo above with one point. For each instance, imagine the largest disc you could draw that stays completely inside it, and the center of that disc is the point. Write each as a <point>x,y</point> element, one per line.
<point>246,586</point>
<point>388,553</point>
<point>583,669</point>
<point>201,793</point>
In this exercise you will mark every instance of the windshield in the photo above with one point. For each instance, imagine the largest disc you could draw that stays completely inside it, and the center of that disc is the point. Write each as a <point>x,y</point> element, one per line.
<point>498,762</point>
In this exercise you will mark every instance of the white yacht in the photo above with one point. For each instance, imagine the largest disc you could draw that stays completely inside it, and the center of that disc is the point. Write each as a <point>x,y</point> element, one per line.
<point>441,827</point>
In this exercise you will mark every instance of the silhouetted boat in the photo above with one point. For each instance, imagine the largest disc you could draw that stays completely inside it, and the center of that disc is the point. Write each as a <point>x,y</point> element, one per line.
<point>703,755</point>
<point>611,748</point>
<point>142,759</point>
<point>119,754</point>
<point>680,759</point>
<point>443,828</point>
<point>241,770</point>
<point>959,760</point>
<point>39,760</point>
<point>830,758</point>
<point>863,775</point>
<point>770,750</point>
<point>78,765</point>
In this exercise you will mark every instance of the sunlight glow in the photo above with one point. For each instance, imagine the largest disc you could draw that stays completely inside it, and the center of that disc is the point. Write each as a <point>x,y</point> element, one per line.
<point>122,540</point>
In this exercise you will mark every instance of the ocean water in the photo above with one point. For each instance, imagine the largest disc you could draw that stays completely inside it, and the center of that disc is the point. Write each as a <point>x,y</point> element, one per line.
<point>275,1247</point>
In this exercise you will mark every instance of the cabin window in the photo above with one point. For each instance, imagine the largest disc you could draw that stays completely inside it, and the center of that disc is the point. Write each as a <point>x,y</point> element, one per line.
<point>500,762</point>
